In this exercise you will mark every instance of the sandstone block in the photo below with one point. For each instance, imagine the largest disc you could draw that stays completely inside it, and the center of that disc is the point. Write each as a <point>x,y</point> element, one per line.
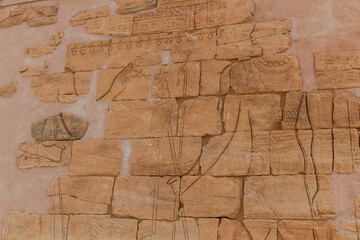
<point>205,196</point>
<point>215,77</point>
<point>346,110</point>
<point>252,112</point>
<point>131,82</point>
<point>343,160</point>
<point>261,229</point>
<point>45,154</point>
<point>150,198</point>
<point>8,89</point>
<point>185,228</point>
<point>291,110</point>
<point>320,108</point>
<point>322,151</point>
<point>81,195</point>
<point>4,14</point>
<point>232,229</point>
<point>61,127</point>
<point>101,227</point>
<point>96,157</point>
<point>143,59</point>
<point>81,17</point>
<point>164,156</point>
<point>177,80</point>
<point>200,117</point>
<point>140,119</point>
<point>131,6</point>
<point>112,25</point>
<point>54,41</point>
<point>336,70</point>
<point>82,82</point>
<point>271,73</point>
<point>31,71</point>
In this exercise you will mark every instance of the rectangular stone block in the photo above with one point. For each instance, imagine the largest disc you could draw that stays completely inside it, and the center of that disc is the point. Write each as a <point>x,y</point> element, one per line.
<point>271,73</point>
<point>96,157</point>
<point>140,119</point>
<point>120,25</point>
<point>131,6</point>
<point>291,110</point>
<point>177,80</point>
<point>200,117</point>
<point>81,195</point>
<point>252,112</point>
<point>322,151</point>
<point>164,156</point>
<point>151,198</point>
<point>320,108</point>
<point>81,17</point>
<point>310,230</point>
<point>101,227</point>
<point>260,229</point>
<point>346,109</point>
<point>206,196</point>
<point>215,77</point>
<point>131,82</point>
<point>343,162</point>
<point>337,70</point>
<point>141,59</point>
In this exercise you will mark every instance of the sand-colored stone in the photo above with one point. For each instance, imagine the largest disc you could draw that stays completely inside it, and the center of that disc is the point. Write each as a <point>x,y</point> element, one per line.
<point>206,196</point>
<point>120,25</point>
<point>271,73</point>
<point>101,227</point>
<point>96,158</point>
<point>131,6</point>
<point>215,77</point>
<point>177,80</point>
<point>303,120</point>
<point>24,226</point>
<point>131,82</point>
<point>82,82</point>
<point>164,20</point>
<point>164,156</point>
<point>60,87</point>
<point>252,112</point>
<point>151,198</point>
<point>291,110</point>
<point>81,17</point>
<point>197,46</point>
<point>337,70</point>
<point>185,228</point>
<point>146,59</point>
<point>54,41</point>
<point>200,117</point>
<point>286,155</point>
<point>31,71</point>
<point>140,119</point>
<point>346,109</point>
<point>320,108</point>
<point>343,161</point>
<point>87,56</point>
<point>8,89</point>
<point>81,195</point>
<point>322,151</point>
<point>45,154</point>
<point>232,229</point>
<point>61,127</point>
<point>261,229</point>
<point>4,14</point>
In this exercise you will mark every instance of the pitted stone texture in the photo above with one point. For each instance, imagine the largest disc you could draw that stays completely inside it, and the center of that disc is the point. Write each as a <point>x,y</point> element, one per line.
<point>291,109</point>
<point>101,227</point>
<point>31,71</point>
<point>206,196</point>
<point>132,6</point>
<point>45,154</point>
<point>8,89</point>
<point>96,158</point>
<point>164,156</point>
<point>140,119</point>
<point>320,109</point>
<point>215,77</point>
<point>120,25</point>
<point>61,127</point>
<point>151,198</point>
<point>81,195</point>
<point>54,41</point>
<point>346,109</point>
<point>81,17</point>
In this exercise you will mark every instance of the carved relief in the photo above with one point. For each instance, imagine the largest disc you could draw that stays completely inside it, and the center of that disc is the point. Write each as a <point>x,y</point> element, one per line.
<point>54,41</point>
<point>112,25</point>
<point>131,6</point>
<point>81,17</point>
<point>215,77</point>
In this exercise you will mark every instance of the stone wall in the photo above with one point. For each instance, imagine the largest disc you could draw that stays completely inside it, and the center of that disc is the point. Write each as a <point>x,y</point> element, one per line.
<point>195,119</point>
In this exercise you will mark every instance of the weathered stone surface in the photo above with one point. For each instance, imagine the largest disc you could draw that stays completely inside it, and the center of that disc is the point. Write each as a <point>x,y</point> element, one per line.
<point>177,80</point>
<point>140,119</point>
<point>346,110</point>
<point>185,228</point>
<point>164,156</point>
<point>60,87</point>
<point>81,195</point>
<point>286,155</point>
<point>197,46</point>
<point>215,13</point>
<point>4,14</point>
<point>215,77</point>
<point>252,112</point>
<point>261,229</point>
<point>320,108</point>
<point>61,127</point>
<point>131,6</point>
<point>206,196</point>
<point>164,20</point>
<point>87,56</point>
<point>303,120</point>
<point>232,229</point>
<point>8,89</point>
<point>101,227</point>
<point>45,154</point>
<point>200,117</point>
<point>113,25</point>
<point>123,60</point>
<point>271,73</point>
<point>96,157</point>
<point>322,151</point>
<point>131,82</point>
<point>336,70</point>
<point>343,160</point>
<point>54,41</point>
<point>151,198</point>
<point>31,71</point>
<point>82,82</point>
<point>291,110</point>
<point>24,226</point>
<point>81,17</point>
<point>288,197</point>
